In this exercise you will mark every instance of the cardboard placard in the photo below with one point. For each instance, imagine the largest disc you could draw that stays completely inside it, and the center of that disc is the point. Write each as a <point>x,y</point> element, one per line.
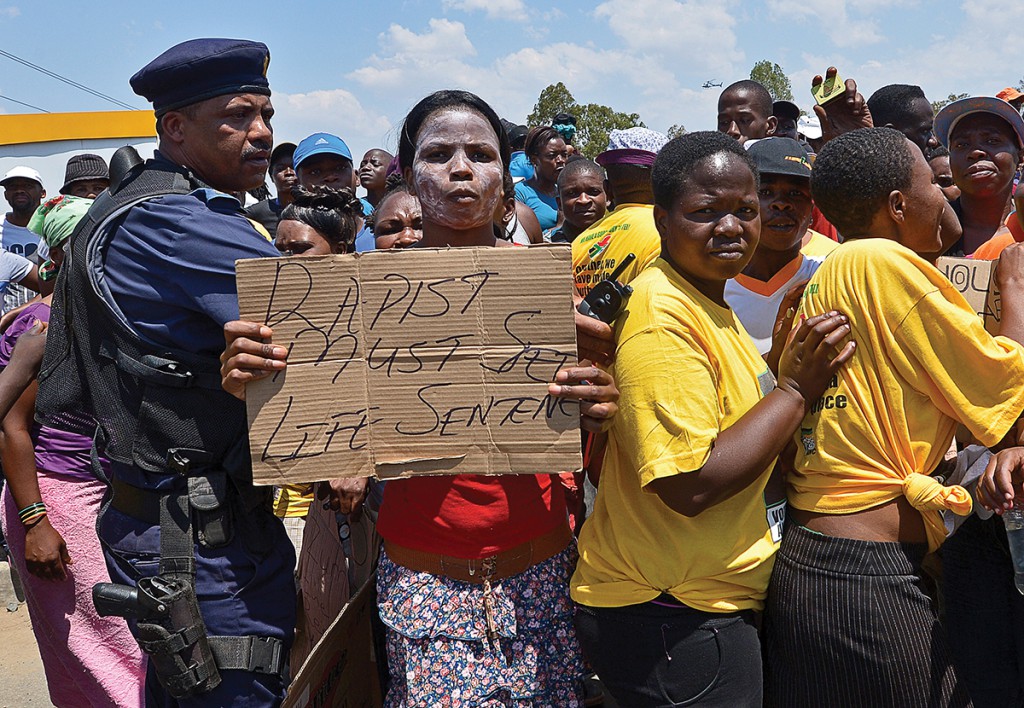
<point>341,670</point>
<point>327,575</point>
<point>973,278</point>
<point>413,362</point>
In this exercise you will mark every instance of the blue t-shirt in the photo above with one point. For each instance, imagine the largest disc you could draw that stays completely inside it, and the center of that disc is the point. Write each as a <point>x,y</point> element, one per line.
<point>545,207</point>
<point>520,165</point>
<point>170,267</point>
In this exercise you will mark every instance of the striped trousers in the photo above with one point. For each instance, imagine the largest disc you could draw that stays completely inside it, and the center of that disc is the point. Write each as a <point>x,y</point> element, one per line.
<point>847,624</point>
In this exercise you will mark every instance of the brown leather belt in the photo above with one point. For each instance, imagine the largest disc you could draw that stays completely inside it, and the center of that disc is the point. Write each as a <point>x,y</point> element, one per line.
<point>492,568</point>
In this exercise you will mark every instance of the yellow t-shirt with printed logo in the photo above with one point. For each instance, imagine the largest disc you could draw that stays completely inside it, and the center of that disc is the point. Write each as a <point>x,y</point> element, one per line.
<point>596,252</point>
<point>923,363</point>
<point>686,370</point>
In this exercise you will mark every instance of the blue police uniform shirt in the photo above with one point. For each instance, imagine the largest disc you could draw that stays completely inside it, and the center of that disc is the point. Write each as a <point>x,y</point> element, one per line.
<point>170,267</point>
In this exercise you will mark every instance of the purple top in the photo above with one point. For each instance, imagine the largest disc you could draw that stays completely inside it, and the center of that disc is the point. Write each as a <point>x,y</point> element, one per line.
<point>56,450</point>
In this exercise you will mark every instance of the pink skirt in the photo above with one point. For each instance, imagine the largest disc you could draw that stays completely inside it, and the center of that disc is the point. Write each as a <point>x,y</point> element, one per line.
<point>89,660</point>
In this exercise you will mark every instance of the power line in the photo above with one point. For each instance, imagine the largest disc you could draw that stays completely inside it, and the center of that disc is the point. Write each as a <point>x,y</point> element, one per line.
<point>66,80</point>
<point>22,103</point>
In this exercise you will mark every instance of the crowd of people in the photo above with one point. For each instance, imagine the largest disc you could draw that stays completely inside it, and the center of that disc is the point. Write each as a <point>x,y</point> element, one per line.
<point>798,436</point>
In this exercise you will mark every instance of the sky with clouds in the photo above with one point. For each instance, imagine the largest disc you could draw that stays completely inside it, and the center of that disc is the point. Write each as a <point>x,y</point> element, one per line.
<point>355,68</point>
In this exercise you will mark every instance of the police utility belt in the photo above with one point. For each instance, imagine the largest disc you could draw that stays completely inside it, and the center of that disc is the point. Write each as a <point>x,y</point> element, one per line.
<point>170,628</point>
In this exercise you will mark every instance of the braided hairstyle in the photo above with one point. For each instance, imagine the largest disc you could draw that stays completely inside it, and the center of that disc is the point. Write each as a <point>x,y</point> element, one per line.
<point>333,213</point>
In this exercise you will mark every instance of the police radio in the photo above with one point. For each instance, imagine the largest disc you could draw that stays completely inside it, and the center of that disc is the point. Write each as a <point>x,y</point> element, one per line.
<point>608,297</point>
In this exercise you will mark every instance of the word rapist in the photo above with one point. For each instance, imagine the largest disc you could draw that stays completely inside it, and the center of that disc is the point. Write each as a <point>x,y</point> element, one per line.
<point>432,361</point>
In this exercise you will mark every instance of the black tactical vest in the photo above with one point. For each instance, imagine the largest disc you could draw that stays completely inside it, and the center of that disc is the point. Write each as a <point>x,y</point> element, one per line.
<point>145,399</point>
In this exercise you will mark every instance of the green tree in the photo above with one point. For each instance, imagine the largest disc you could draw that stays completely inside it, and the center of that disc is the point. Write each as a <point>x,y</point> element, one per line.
<point>676,130</point>
<point>773,78</point>
<point>553,100</point>
<point>938,105</point>
<point>593,121</point>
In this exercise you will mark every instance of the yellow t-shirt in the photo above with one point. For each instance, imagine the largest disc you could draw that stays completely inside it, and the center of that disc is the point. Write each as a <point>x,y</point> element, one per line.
<point>598,250</point>
<point>292,500</point>
<point>686,370</point>
<point>923,363</point>
<point>819,246</point>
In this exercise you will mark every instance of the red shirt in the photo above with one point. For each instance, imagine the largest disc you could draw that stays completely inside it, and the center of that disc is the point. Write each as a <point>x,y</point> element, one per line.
<point>820,224</point>
<point>470,516</point>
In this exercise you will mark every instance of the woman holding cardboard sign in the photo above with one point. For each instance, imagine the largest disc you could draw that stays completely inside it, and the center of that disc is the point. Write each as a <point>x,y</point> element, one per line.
<point>473,583</point>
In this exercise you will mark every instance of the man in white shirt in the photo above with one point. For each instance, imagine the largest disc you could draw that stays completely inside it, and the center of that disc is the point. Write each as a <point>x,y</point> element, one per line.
<point>778,266</point>
<point>23,190</point>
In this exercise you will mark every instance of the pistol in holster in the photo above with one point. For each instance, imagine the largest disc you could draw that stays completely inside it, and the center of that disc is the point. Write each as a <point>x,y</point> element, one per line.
<point>169,630</point>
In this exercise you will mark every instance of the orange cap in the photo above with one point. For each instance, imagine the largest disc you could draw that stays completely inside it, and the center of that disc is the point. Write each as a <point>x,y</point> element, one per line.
<point>1010,94</point>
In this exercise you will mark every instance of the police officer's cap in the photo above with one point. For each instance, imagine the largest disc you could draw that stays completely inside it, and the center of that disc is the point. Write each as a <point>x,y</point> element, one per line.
<point>199,69</point>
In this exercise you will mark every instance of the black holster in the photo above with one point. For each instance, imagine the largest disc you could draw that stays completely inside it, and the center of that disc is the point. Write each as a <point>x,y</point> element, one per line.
<point>176,641</point>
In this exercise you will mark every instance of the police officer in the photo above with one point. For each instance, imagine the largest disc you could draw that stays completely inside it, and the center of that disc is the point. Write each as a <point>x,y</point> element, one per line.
<point>142,357</point>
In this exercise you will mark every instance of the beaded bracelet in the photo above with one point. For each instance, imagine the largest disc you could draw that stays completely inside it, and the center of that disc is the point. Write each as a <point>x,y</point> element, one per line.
<point>31,513</point>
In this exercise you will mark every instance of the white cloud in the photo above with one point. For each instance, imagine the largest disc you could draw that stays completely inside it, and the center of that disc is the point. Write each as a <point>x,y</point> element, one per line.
<point>9,11</point>
<point>514,10</point>
<point>631,76</point>
<point>334,111</point>
<point>847,23</point>
<point>970,60</point>
<point>699,33</point>
<point>409,57</point>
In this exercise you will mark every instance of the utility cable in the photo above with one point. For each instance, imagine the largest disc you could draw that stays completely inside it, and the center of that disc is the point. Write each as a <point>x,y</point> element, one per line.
<point>66,80</point>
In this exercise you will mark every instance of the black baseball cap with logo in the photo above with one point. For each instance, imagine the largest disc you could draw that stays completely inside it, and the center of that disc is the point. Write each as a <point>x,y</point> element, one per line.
<point>780,156</point>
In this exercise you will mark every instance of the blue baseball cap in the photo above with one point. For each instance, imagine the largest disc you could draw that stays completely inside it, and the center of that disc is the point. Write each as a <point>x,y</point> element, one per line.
<point>199,69</point>
<point>320,144</point>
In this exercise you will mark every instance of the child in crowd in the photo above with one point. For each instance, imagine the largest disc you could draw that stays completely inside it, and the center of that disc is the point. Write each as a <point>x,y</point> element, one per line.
<point>582,199</point>
<point>675,560</point>
<point>846,621</point>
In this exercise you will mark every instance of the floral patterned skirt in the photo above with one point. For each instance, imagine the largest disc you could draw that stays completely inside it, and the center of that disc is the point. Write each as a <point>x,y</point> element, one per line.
<point>439,653</point>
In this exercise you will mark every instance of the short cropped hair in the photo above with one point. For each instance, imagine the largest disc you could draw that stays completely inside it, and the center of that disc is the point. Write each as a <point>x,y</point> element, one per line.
<point>581,165</point>
<point>890,105</point>
<point>855,173</point>
<point>762,99</point>
<point>939,151</point>
<point>680,156</point>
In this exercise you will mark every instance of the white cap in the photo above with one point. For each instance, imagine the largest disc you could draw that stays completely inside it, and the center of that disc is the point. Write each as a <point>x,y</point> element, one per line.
<point>23,173</point>
<point>809,127</point>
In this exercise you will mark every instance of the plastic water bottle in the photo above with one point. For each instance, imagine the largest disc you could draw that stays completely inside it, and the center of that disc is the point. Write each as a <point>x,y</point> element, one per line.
<point>1013,519</point>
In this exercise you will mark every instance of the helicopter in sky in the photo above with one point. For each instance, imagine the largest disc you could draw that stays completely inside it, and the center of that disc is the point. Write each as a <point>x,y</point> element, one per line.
<point>712,84</point>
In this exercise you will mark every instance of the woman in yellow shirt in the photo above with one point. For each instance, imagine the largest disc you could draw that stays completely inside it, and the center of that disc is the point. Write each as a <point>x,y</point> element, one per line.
<point>846,621</point>
<point>675,560</point>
